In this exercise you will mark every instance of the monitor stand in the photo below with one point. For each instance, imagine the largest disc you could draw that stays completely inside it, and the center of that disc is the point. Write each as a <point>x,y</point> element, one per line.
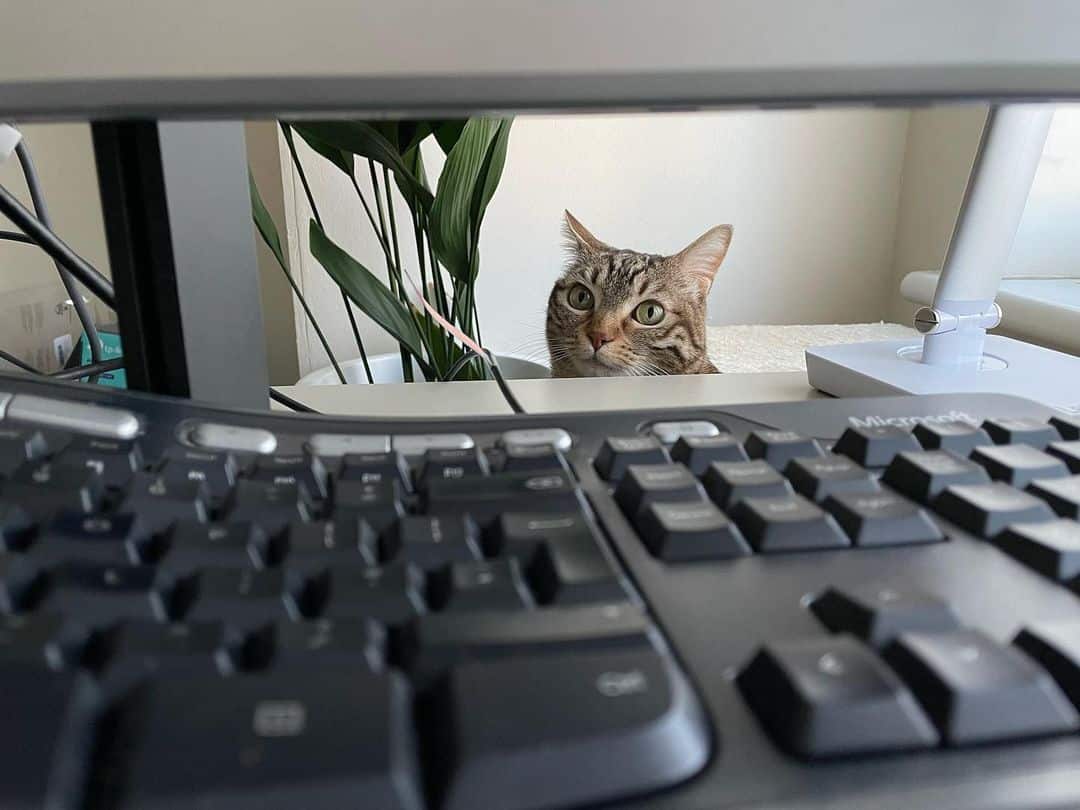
<point>955,354</point>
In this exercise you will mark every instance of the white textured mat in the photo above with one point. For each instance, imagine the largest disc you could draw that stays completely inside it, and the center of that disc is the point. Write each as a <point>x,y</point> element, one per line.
<point>755,348</point>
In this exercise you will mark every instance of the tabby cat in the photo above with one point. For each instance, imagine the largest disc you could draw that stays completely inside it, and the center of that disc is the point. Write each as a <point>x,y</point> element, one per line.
<point>620,313</point>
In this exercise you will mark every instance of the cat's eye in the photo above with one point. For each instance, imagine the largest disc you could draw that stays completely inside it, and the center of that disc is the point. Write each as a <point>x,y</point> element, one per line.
<point>580,297</point>
<point>649,313</point>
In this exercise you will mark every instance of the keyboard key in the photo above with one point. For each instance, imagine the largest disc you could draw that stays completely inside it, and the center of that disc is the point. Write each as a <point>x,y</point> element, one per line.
<point>233,438</point>
<point>1052,547</point>
<point>818,478</point>
<point>1056,647</point>
<point>48,719</point>
<point>503,492</point>
<point>531,458</point>
<point>1018,464</point>
<point>240,597</point>
<point>341,541</point>
<point>99,595</point>
<point>295,470</point>
<point>828,697</point>
<point>114,460</point>
<point>652,483</point>
<point>624,706</point>
<point>617,453</point>
<point>431,644</point>
<point>875,446</point>
<point>976,690</point>
<point>43,639</point>
<point>160,502</point>
<point>493,585</point>
<point>685,532</point>
<point>216,471</point>
<point>1034,432</point>
<point>728,482</point>
<point>391,595</point>
<point>78,417</point>
<point>271,506</point>
<point>193,545</point>
<point>17,527</point>
<point>521,533</point>
<point>376,468</point>
<point>76,537</point>
<point>986,509</point>
<point>568,567</point>
<point>778,447</point>
<point>335,445</point>
<point>923,476</point>
<point>419,443</point>
<point>196,647</point>
<point>19,445</point>
<point>671,432</point>
<point>538,437</point>
<point>1067,426</point>
<point>787,523</point>
<point>957,437</point>
<point>432,542</point>
<point>1063,494</point>
<point>1069,452</point>
<point>698,452</point>
<point>881,519</point>
<point>877,612</point>
<point>21,583</point>
<point>377,503</point>
<point>450,465</point>
<point>42,488</point>
<point>283,739</point>
<point>346,643</point>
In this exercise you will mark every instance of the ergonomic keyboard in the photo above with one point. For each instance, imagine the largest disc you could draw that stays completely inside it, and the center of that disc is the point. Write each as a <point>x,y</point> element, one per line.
<point>833,603</point>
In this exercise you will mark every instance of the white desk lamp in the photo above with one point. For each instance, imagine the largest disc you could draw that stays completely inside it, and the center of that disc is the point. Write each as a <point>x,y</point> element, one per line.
<point>956,355</point>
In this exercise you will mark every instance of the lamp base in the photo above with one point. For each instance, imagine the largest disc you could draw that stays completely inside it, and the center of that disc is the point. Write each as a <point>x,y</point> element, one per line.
<point>878,368</point>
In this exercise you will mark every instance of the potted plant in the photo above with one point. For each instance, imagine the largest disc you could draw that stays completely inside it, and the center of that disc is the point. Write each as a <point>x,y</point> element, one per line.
<point>444,226</point>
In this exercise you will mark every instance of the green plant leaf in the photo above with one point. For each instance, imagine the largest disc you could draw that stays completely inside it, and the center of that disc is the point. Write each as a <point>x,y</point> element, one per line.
<point>367,292</point>
<point>265,224</point>
<point>359,138</point>
<point>454,218</point>
<point>343,160</point>
<point>487,181</point>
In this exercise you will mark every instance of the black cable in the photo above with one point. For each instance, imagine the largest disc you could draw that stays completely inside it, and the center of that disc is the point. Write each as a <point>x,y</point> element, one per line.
<point>56,248</point>
<point>93,370</point>
<point>289,402</point>
<point>15,236</point>
<point>37,197</point>
<point>508,395</point>
<point>15,361</point>
<point>460,364</point>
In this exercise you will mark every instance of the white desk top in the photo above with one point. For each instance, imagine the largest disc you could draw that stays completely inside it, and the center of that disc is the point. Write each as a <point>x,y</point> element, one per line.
<point>552,396</point>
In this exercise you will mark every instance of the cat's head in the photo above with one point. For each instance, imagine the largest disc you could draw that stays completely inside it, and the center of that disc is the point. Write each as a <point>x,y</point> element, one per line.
<point>619,312</point>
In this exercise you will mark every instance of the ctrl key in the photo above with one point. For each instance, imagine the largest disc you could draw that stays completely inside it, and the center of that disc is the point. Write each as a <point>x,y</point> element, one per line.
<point>560,729</point>
<point>826,697</point>
<point>289,738</point>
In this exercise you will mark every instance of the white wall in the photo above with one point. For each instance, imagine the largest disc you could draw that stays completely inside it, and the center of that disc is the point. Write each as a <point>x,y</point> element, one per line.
<point>813,197</point>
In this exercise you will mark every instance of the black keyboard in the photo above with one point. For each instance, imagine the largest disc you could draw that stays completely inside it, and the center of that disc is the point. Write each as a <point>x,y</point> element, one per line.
<point>834,603</point>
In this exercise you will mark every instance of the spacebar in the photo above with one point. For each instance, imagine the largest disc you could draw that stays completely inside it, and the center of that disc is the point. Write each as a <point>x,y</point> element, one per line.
<point>561,730</point>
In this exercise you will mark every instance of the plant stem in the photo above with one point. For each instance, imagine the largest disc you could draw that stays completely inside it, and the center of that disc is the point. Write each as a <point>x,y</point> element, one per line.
<point>393,266</point>
<point>318,220</point>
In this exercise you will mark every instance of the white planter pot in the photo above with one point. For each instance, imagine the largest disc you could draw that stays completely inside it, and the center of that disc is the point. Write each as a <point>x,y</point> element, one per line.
<point>386,368</point>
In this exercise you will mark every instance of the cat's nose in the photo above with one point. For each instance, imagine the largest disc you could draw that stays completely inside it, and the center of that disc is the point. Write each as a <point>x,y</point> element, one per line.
<point>598,339</point>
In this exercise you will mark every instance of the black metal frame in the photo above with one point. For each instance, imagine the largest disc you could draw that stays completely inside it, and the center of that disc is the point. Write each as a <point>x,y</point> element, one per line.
<point>181,247</point>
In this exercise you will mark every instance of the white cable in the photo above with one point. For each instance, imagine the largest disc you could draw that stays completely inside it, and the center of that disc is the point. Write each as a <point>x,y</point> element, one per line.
<point>9,139</point>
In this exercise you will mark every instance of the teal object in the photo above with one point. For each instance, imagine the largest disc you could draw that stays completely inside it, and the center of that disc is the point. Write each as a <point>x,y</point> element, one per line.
<point>110,349</point>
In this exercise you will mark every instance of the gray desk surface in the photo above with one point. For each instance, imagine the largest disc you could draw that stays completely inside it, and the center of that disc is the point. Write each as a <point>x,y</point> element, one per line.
<point>552,396</point>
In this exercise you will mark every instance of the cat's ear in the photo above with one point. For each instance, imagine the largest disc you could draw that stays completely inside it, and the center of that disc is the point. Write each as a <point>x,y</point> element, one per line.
<point>578,237</point>
<point>702,258</point>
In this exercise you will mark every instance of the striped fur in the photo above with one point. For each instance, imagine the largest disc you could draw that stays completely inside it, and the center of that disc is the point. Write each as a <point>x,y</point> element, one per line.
<point>619,281</point>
